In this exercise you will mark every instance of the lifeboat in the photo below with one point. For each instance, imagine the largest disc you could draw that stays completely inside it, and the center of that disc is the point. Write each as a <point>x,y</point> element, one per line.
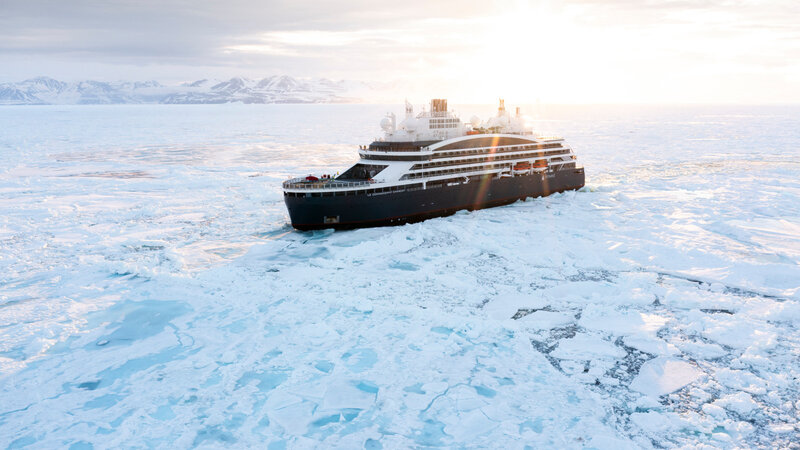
<point>312,178</point>
<point>522,166</point>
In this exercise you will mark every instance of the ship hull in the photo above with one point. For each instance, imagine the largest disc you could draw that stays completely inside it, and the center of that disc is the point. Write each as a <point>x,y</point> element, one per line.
<point>395,208</point>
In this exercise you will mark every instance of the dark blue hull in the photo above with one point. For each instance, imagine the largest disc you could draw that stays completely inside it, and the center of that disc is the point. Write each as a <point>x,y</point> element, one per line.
<point>309,212</point>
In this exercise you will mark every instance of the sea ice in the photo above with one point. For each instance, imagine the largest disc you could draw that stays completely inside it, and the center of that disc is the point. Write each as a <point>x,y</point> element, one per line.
<point>152,293</point>
<point>586,347</point>
<point>664,375</point>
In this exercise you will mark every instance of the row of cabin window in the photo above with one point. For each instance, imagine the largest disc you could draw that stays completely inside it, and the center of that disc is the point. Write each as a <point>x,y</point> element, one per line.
<point>450,154</point>
<point>403,147</point>
<point>490,158</point>
<point>394,149</point>
<point>435,173</point>
<point>397,158</point>
<point>443,123</point>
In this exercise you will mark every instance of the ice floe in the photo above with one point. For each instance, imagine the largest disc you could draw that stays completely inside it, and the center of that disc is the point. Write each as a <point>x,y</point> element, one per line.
<point>153,295</point>
<point>661,376</point>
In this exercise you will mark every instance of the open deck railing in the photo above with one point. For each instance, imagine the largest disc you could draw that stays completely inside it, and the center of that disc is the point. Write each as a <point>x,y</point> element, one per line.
<point>302,183</point>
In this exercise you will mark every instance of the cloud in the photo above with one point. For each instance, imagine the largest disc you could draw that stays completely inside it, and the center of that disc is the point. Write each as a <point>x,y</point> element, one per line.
<point>615,49</point>
<point>186,28</point>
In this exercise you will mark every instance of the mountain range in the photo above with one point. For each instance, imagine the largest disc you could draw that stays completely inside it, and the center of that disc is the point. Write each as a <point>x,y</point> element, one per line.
<point>273,89</point>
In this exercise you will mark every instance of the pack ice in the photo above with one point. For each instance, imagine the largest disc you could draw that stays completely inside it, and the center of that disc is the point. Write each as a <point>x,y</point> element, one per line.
<point>153,295</point>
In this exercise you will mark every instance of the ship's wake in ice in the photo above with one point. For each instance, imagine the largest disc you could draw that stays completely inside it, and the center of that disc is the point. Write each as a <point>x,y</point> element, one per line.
<point>152,293</point>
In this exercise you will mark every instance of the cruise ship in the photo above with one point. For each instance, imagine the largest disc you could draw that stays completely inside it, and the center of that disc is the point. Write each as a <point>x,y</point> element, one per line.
<point>432,164</point>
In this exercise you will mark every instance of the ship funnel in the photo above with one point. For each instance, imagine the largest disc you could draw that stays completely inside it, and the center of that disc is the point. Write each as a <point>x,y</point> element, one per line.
<point>438,106</point>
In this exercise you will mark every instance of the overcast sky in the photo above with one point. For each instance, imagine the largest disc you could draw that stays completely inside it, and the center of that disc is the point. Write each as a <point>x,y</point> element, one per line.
<point>576,51</point>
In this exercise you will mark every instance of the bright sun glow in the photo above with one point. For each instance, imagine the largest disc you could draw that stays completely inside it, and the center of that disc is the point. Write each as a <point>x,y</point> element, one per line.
<point>569,55</point>
<point>513,50</point>
<point>550,53</point>
<point>533,55</point>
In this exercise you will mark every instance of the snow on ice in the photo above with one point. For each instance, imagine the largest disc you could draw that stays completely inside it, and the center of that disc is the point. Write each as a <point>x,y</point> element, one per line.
<point>152,293</point>
<point>662,376</point>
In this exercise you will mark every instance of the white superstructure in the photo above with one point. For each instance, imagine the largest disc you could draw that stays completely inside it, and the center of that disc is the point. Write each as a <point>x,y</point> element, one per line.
<point>439,123</point>
<point>435,147</point>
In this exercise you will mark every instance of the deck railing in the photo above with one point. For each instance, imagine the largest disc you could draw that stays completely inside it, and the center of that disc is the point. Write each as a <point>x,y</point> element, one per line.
<point>302,183</point>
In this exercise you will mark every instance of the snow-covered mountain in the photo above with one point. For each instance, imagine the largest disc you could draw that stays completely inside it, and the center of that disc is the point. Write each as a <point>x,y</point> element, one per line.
<point>274,89</point>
